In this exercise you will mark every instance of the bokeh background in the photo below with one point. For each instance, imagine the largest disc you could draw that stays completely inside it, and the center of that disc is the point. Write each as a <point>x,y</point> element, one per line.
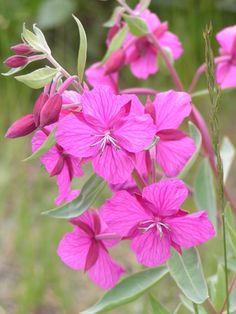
<point>32,278</point>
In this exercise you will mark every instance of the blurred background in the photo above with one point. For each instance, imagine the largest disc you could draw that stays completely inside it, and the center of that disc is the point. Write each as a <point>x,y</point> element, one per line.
<point>32,278</point>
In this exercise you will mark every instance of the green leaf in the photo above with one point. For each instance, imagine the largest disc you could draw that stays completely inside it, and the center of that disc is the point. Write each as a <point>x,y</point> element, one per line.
<point>41,39</point>
<point>32,40</point>
<point>38,78</point>
<point>116,13</point>
<point>13,71</point>
<point>204,192</point>
<point>196,136</point>
<point>49,143</point>
<point>217,288</point>
<point>227,152</point>
<point>82,55</point>
<point>189,305</point>
<point>157,307</point>
<point>54,13</point>
<point>128,289</point>
<point>231,231</point>
<point>186,270</point>
<point>91,189</point>
<point>116,42</point>
<point>144,4</point>
<point>137,25</point>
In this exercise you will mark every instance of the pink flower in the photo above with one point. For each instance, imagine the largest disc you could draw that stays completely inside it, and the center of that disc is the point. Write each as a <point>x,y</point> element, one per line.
<point>155,222</point>
<point>86,248</point>
<point>141,54</point>
<point>174,147</point>
<point>96,76</point>
<point>226,69</point>
<point>110,131</point>
<point>59,164</point>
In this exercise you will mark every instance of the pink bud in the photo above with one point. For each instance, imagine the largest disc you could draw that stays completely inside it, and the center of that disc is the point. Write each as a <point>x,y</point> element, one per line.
<point>22,49</point>
<point>42,99</point>
<point>112,32</point>
<point>51,110</point>
<point>150,108</point>
<point>58,167</point>
<point>115,62</point>
<point>16,61</point>
<point>21,127</point>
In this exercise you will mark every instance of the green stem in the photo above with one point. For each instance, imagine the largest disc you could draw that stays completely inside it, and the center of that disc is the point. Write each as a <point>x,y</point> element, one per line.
<point>214,93</point>
<point>195,307</point>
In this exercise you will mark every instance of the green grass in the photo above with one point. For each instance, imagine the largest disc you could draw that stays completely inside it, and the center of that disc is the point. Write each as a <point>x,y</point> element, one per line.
<point>32,277</point>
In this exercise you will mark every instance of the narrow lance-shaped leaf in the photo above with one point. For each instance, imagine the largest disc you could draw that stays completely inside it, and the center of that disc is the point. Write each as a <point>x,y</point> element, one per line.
<point>116,13</point>
<point>116,42</point>
<point>90,191</point>
<point>49,143</point>
<point>41,39</point>
<point>196,136</point>
<point>157,307</point>
<point>137,25</point>
<point>231,230</point>
<point>82,54</point>
<point>189,305</point>
<point>32,39</point>
<point>129,289</point>
<point>204,192</point>
<point>186,270</point>
<point>227,152</point>
<point>13,71</point>
<point>38,78</point>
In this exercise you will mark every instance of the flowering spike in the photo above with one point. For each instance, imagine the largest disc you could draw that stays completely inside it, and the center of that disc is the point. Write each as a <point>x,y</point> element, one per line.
<point>51,110</point>
<point>16,61</point>
<point>115,62</point>
<point>22,49</point>
<point>21,127</point>
<point>42,99</point>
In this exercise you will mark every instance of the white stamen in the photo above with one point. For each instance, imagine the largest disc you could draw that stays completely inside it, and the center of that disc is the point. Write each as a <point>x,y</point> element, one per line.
<point>105,139</point>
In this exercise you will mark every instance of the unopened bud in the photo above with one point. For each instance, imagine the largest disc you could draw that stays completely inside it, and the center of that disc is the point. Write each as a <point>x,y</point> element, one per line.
<point>21,127</point>
<point>16,61</point>
<point>22,49</point>
<point>115,62</point>
<point>42,99</point>
<point>150,108</point>
<point>51,110</point>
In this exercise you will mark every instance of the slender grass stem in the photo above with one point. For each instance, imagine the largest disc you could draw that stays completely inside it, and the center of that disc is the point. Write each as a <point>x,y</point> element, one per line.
<point>215,94</point>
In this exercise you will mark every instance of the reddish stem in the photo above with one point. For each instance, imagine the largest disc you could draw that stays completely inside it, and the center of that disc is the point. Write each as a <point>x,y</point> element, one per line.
<point>139,90</point>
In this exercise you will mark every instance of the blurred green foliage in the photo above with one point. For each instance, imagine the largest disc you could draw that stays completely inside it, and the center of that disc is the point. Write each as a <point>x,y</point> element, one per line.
<point>32,277</point>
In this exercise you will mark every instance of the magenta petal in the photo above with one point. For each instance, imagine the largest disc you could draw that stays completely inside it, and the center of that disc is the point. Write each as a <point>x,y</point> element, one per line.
<point>144,65</point>
<point>135,133</point>
<point>172,155</point>
<point>150,249</point>
<point>171,108</point>
<point>102,104</point>
<point>73,248</point>
<point>167,196</point>
<point>226,38</point>
<point>226,75</point>
<point>105,272</point>
<point>115,166</point>
<point>76,136</point>
<point>122,213</point>
<point>191,230</point>
<point>171,41</point>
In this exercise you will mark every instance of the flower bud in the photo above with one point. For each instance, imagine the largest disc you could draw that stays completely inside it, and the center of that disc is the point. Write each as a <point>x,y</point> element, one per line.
<point>21,127</point>
<point>22,49</point>
<point>51,110</point>
<point>16,61</point>
<point>115,62</point>
<point>42,99</point>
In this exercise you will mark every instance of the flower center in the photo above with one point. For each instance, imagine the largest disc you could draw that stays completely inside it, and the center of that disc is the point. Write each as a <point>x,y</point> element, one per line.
<point>156,223</point>
<point>105,139</point>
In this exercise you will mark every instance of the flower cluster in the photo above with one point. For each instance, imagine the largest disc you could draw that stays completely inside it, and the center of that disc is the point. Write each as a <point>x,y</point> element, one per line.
<point>138,149</point>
